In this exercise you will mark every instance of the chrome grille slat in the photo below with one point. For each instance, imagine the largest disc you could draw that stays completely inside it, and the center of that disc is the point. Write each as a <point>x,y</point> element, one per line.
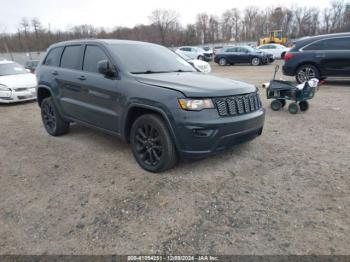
<point>237,105</point>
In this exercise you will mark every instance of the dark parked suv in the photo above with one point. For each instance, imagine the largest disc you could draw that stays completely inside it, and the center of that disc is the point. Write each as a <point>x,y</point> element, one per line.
<point>147,95</point>
<point>319,57</point>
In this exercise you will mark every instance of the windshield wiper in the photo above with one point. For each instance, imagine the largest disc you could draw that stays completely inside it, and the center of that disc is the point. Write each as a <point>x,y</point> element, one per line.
<point>160,72</point>
<point>149,72</point>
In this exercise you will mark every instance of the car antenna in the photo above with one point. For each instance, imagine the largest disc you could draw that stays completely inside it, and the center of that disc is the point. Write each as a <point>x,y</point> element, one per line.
<point>276,70</point>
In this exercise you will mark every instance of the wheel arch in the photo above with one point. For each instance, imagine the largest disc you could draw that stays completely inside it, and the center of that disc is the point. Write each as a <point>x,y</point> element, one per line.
<point>136,110</point>
<point>43,92</point>
<point>307,63</point>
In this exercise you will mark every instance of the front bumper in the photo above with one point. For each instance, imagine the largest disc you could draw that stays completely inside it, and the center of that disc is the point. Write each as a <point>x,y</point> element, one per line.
<point>14,96</point>
<point>200,137</point>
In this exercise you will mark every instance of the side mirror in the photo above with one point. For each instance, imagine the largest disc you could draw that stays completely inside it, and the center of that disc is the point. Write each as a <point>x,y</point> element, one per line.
<point>105,68</point>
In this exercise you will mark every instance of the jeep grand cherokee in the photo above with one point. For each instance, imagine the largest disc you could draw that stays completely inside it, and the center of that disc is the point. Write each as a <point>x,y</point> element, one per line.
<point>147,95</point>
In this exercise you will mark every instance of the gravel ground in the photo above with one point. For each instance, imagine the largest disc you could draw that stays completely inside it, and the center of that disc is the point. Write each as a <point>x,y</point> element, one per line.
<point>286,192</point>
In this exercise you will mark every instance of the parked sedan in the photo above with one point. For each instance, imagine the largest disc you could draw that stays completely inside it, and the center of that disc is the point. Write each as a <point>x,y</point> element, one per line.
<point>278,51</point>
<point>195,53</point>
<point>200,65</point>
<point>16,83</point>
<point>242,54</point>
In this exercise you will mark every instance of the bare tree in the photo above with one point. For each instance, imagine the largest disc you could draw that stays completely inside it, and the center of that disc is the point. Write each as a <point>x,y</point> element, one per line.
<point>202,24</point>
<point>164,20</point>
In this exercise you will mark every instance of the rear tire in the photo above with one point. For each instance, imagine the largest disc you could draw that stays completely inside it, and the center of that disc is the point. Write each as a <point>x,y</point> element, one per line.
<point>283,102</point>
<point>54,124</point>
<point>304,106</point>
<point>293,108</point>
<point>256,61</point>
<point>152,144</point>
<point>306,72</point>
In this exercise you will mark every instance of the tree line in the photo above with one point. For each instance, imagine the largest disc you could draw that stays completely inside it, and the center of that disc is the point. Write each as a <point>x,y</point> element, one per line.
<point>165,28</point>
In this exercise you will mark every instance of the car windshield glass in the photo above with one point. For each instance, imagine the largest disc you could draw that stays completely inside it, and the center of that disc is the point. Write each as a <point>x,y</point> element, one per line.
<point>183,56</point>
<point>250,49</point>
<point>148,58</point>
<point>11,69</point>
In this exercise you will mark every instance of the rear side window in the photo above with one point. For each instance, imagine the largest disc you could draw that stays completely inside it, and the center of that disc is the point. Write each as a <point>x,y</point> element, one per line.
<point>53,57</point>
<point>330,44</point>
<point>93,55</point>
<point>338,44</point>
<point>71,57</point>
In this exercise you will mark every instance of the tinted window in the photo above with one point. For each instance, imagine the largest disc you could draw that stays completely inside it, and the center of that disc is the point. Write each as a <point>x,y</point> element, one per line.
<point>231,50</point>
<point>187,49</point>
<point>148,58</point>
<point>93,55</point>
<point>71,57</point>
<point>330,44</point>
<point>53,58</point>
<point>338,44</point>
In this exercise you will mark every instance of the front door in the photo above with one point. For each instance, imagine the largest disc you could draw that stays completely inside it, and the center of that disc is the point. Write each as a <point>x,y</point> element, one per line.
<point>101,93</point>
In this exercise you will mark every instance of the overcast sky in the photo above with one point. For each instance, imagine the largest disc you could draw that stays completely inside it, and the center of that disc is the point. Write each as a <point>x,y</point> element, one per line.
<point>61,14</point>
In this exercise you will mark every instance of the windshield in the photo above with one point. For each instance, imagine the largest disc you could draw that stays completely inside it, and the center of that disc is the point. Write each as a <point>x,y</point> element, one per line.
<point>11,69</point>
<point>183,56</point>
<point>147,59</point>
<point>251,49</point>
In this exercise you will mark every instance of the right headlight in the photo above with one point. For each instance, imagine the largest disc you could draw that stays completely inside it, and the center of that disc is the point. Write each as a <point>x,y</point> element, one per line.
<point>195,104</point>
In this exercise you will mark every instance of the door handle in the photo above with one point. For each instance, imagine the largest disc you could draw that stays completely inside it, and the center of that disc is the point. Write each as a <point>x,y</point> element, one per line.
<point>55,73</point>
<point>82,78</point>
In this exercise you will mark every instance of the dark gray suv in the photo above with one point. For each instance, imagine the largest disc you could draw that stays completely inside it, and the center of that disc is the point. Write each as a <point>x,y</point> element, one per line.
<point>147,95</point>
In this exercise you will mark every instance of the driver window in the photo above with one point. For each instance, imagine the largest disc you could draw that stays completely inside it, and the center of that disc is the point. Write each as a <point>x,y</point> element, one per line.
<point>93,55</point>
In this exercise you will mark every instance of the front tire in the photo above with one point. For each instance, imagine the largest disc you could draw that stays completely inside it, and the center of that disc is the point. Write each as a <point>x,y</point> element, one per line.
<point>54,124</point>
<point>222,62</point>
<point>200,58</point>
<point>306,72</point>
<point>276,105</point>
<point>152,144</point>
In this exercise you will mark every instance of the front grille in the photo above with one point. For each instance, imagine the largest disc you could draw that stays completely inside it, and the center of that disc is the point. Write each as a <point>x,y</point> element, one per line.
<point>20,89</point>
<point>237,105</point>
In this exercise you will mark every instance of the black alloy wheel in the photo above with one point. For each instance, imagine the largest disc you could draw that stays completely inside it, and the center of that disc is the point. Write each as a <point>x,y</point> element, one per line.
<point>54,124</point>
<point>152,144</point>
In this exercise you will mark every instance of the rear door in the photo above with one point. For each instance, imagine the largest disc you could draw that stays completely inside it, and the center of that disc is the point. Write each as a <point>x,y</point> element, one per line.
<point>101,93</point>
<point>67,77</point>
<point>231,55</point>
<point>336,58</point>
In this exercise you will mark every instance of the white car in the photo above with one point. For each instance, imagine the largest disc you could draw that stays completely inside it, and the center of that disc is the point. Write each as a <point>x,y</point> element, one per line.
<point>201,65</point>
<point>195,53</point>
<point>16,83</point>
<point>278,51</point>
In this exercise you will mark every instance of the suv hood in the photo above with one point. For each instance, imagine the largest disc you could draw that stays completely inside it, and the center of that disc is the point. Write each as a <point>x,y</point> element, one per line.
<point>197,84</point>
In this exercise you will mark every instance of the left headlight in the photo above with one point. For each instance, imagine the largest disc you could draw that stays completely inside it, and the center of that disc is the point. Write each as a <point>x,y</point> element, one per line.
<point>195,104</point>
<point>4,88</point>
